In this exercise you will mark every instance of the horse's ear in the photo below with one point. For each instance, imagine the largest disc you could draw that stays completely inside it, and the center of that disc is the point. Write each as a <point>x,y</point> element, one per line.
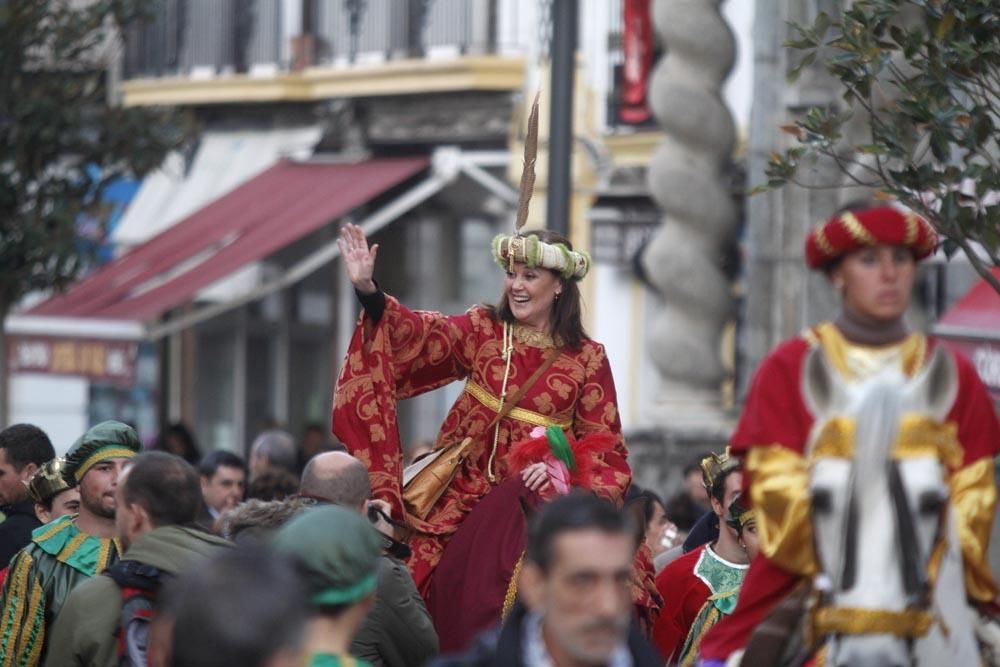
<point>937,384</point>
<point>817,383</point>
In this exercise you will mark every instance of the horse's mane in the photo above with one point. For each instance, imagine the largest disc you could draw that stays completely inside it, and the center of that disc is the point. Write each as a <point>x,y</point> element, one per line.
<point>877,420</point>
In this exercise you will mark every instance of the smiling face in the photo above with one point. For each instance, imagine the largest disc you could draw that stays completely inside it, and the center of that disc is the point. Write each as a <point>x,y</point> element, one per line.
<point>876,281</point>
<point>531,294</point>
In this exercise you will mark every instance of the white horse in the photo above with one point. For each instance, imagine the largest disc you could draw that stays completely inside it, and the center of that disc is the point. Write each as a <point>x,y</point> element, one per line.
<point>880,510</point>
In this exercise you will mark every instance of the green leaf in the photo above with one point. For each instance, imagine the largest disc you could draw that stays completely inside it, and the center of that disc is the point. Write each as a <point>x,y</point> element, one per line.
<point>945,26</point>
<point>821,24</point>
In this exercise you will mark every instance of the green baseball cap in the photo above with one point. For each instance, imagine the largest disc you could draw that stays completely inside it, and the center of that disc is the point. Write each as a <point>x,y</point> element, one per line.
<point>336,550</point>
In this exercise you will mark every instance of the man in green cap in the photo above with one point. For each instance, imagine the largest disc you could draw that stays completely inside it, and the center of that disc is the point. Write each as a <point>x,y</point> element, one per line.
<point>337,553</point>
<point>68,550</point>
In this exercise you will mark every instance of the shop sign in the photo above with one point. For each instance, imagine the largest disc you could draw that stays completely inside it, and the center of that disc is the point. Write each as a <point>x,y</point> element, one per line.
<point>111,361</point>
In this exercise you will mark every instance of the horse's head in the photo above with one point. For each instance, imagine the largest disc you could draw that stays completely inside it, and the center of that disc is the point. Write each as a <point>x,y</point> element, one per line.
<point>878,489</point>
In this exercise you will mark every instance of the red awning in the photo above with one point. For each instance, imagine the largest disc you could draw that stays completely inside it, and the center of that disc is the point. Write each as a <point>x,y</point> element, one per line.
<point>260,217</point>
<point>975,315</point>
<point>972,325</point>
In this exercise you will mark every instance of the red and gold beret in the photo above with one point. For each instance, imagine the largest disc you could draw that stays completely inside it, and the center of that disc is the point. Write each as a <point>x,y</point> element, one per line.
<point>852,230</point>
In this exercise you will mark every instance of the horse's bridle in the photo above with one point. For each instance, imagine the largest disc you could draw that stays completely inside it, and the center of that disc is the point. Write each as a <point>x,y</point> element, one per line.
<point>919,436</point>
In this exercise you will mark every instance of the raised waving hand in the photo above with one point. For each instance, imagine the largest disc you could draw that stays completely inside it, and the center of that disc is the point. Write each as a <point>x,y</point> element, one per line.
<point>359,259</point>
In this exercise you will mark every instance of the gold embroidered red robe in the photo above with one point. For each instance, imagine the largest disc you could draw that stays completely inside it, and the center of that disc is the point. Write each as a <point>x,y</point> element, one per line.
<point>409,352</point>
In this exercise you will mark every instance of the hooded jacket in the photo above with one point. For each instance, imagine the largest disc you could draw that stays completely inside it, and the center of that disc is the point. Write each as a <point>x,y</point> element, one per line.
<point>85,630</point>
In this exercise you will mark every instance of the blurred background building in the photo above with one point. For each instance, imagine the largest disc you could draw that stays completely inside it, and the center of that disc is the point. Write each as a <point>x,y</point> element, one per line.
<point>226,307</point>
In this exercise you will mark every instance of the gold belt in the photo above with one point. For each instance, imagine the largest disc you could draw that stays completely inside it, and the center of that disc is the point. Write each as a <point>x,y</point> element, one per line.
<point>493,403</point>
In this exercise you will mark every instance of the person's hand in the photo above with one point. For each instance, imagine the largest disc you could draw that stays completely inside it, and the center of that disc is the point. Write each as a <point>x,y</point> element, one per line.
<point>671,537</point>
<point>359,259</point>
<point>535,477</point>
<point>385,509</point>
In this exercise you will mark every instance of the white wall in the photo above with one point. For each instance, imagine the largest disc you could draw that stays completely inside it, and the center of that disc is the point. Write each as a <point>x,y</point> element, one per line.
<point>620,306</point>
<point>57,405</point>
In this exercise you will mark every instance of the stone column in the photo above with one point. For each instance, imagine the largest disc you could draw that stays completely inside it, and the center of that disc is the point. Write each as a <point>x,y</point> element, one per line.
<point>684,259</point>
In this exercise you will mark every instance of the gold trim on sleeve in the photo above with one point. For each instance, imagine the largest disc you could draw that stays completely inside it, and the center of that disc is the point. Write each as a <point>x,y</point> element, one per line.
<point>779,494</point>
<point>973,500</point>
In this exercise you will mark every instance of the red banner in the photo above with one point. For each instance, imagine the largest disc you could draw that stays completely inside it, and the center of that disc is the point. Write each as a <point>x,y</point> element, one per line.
<point>99,360</point>
<point>637,45</point>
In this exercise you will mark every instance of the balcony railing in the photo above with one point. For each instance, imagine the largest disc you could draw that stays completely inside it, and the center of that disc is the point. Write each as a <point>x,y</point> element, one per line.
<point>217,37</point>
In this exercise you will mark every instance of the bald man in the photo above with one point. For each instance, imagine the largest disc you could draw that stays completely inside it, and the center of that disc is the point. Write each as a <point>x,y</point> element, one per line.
<point>337,478</point>
<point>398,631</point>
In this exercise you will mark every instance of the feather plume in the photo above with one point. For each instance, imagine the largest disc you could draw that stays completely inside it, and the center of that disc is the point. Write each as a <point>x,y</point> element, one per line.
<point>560,446</point>
<point>528,175</point>
<point>526,452</point>
<point>587,453</point>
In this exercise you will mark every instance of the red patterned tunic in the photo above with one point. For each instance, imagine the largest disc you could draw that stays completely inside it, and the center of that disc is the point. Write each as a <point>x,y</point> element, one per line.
<point>408,353</point>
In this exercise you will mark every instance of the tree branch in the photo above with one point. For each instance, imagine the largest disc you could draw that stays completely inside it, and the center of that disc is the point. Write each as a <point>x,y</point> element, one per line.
<point>985,272</point>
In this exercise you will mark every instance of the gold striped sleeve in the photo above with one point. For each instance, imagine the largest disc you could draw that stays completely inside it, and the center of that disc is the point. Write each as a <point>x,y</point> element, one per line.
<point>697,632</point>
<point>30,643</point>
<point>15,623</point>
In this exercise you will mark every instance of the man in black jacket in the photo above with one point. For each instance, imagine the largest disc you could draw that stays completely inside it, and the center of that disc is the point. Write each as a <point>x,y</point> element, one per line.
<point>23,449</point>
<point>575,603</point>
<point>398,631</point>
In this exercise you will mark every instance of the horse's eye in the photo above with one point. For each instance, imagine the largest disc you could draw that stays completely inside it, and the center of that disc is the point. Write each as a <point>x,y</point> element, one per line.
<point>822,500</point>
<point>930,503</point>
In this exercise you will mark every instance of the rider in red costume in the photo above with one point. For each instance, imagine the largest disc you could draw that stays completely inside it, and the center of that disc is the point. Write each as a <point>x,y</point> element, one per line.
<point>870,256</point>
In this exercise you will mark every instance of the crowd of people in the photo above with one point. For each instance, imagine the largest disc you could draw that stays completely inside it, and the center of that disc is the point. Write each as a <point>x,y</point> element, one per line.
<point>519,538</point>
<point>126,556</point>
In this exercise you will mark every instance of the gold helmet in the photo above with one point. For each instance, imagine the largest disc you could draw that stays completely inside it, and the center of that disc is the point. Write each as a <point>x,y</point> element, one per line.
<point>48,481</point>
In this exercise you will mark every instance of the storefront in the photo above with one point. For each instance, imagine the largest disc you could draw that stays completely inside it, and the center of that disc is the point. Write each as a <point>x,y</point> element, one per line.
<point>237,315</point>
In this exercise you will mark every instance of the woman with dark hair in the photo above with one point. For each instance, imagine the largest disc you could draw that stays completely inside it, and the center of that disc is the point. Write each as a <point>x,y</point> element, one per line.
<point>650,515</point>
<point>526,359</point>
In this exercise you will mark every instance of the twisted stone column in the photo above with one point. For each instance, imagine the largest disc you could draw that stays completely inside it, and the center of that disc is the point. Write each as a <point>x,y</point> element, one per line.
<point>684,258</point>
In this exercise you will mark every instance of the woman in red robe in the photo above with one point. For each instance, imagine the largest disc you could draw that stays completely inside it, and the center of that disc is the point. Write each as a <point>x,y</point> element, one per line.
<point>870,256</point>
<point>397,353</point>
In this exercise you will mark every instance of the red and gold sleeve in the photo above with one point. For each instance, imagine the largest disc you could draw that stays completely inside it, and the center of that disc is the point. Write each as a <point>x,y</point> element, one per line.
<point>405,354</point>
<point>771,438</point>
<point>973,485</point>
<point>597,411</point>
